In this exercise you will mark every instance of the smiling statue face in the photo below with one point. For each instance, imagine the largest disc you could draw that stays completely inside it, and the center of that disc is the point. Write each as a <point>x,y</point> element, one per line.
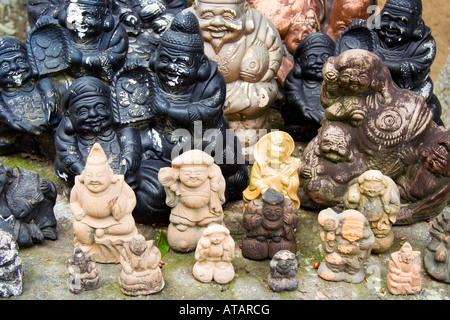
<point>221,23</point>
<point>14,69</point>
<point>397,27</point>
<point>193,175</point>
<point>97,178</point>
<point>85,21</point>
<point>91,115</point>
<point>272,212</point>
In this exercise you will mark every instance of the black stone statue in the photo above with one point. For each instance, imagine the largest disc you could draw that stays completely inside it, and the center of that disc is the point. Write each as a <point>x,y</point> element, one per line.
<point>405,45</point>
<point>301,109</point>
<point>26,206</point>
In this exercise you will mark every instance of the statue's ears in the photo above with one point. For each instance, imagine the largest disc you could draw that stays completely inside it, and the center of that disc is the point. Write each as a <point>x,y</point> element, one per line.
<point>419,31</point>
<point>297,70</point>
<point>108,23</point>
<point>249,20</point>
<point>204,70</point>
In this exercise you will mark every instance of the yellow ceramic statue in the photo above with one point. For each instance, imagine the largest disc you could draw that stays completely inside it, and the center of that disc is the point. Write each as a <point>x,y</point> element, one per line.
<point>274,168</point>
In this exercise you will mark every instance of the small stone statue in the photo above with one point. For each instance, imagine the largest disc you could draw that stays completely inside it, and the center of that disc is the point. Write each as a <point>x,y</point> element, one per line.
<point>102,204</point>
<point>436,257</point>
<point>29,105</point>
<point>388,128</point>
<point>347,242</point>
<point>404,271</point>
<point>270,225</point>
<point>96,44</point>
<point>377,197</point>
<point>283,271</point>
<point>248,51</point>
<point>195,190</point>
<point>274,168</point>
<point>141,273</point>
<point>89,119</point>
<point>83,273</point>
<point>214,254</point>
<point>26,206</point>
<point>11,270</point>
<point>301,109</point>
<point>344,12</point>
<point>405,45</point>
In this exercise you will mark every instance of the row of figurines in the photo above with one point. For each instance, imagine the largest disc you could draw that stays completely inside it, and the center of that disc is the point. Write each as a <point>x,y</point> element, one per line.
<point>63,45</point>
<point>153,109</point>
<point>102,205</point>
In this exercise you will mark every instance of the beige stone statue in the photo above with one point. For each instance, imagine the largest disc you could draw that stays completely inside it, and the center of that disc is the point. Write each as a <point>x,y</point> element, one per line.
<point>377,197</point>
<point>274,168</point>
<point>195,189</point>
<point>248,51</point>
<point>214,254</point>
<point>141,273</point>
<point>102,204</point>
<point>404,271</point>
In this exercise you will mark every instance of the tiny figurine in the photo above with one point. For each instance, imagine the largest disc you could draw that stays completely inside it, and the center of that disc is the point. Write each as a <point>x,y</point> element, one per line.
<point>270,225</point>
<point>214,254</point>
<point>248,51</point>
<point>141,273</point>
<point>195,190</point>
<point>405,45</point>
<point>404,271</point>
<point>274,167</point>
<point>301,108</point>
<point>436,257</point>
<point>388,128</point>
<point>96,44</point>
<point>283,271</point>
<point>344,12</point>
<point>89,119</point>
<point>26,206</point>
<point>102,204</point>
<point>29,105</point>
<point>188,94</point>
<point>377,197</point>
<point>83,273</point>
<point>347,242</point>
<point>11,270</point>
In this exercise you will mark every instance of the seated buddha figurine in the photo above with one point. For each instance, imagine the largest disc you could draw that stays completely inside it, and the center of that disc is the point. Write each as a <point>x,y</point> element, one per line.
<point>248,51</point>
<point>141,273</point>
<point>83,273</point>
<point>274,168</point>
<point>195,190</point>
<point>102,204</point>
<point>214,256</point>
<point>405,267</point>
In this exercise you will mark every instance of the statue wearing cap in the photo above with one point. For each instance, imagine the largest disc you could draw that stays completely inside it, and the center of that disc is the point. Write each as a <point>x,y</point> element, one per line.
<point>248,50</point>
<point>270,224</point>
<point>301,109</point>
<point>27,104</point>
<point>102,204</point>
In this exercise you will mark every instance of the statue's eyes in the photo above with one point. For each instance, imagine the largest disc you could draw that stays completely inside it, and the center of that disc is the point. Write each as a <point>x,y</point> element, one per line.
<point>4,65</point>
<point>101,106</point>
<point>228,16</point>
<point>82,110</point>
<point>207,15</point>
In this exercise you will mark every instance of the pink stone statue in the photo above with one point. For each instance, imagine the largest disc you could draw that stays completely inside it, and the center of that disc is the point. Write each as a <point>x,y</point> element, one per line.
<point>214,254</point>
<point>102,204</point>
<point>404,271</point>
<point>195,189</point>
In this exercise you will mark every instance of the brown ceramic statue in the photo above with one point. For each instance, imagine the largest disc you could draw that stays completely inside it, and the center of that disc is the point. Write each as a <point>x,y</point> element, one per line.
<point>437,253</point>
<point>195,189</point>
<point>283,271</point>
<point>274,168</point>
<point>214,255</point>
<point>83,273</point>
<point>141,273</point>
<point>404,271</point>
<point>344,12</point>
<point>388,129</point>
<point>248,51</point>
<point>347,242</point>
<point>102,204</point>
<point>270,225</point>
<point>377,197</point>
